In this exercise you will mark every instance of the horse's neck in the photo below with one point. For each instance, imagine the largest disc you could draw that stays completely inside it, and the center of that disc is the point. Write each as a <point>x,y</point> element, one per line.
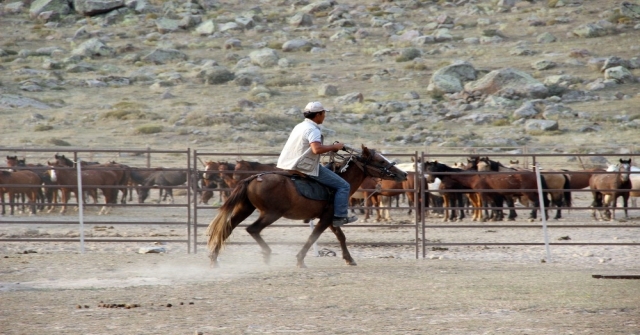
<point>354,175</point>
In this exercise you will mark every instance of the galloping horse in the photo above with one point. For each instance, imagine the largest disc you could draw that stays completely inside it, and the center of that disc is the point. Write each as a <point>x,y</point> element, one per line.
<point>19,182</point>
<point>258,192</point>
<point>607,187</point>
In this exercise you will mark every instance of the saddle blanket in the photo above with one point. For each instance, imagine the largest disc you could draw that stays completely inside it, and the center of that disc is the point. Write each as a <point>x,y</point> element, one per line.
<point>311,189</point>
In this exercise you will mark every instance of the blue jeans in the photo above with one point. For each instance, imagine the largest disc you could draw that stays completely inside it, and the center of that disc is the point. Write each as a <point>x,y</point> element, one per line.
<point>341,200</point>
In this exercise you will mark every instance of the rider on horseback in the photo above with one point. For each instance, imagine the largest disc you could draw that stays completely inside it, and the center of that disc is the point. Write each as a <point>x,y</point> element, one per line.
<point>302,153</point>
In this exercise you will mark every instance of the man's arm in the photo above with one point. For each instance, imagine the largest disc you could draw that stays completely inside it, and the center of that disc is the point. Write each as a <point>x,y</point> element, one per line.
<point>318,148</point>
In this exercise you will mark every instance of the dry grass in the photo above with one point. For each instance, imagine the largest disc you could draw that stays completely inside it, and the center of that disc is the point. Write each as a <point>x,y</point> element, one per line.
<point>136,109</point>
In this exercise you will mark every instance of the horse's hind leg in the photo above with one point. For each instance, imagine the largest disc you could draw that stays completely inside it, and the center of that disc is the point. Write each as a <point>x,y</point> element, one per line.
<point>256,227</point>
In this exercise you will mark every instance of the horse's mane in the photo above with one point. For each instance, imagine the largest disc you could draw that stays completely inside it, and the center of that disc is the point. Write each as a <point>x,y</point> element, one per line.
<point>255,165</point>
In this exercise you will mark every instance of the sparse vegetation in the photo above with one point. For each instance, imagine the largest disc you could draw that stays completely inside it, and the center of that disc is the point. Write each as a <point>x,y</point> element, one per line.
<point>148,129</point>
<point>42,127</point>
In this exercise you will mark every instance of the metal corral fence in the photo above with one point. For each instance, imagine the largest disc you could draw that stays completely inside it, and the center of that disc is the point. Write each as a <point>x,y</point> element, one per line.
<point>140,160</point>
<point>547,164</point>
<point>192,215</point>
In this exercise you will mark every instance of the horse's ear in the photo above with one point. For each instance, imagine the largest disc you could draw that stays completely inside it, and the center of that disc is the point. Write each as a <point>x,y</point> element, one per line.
<point>365,150</point>
<point>413,160</point>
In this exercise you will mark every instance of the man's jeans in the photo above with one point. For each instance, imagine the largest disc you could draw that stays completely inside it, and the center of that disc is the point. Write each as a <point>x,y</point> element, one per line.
<point>341,200</point>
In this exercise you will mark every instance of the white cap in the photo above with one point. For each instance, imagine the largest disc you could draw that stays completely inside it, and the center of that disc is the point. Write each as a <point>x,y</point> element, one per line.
<point>314,107</point>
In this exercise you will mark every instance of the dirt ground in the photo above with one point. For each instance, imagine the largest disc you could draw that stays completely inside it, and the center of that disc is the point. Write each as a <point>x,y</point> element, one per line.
<point>49,287</point>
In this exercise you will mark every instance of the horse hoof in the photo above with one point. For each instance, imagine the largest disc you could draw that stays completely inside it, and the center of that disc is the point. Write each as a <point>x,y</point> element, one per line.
<point>302,266</point>
<point>350,262</point>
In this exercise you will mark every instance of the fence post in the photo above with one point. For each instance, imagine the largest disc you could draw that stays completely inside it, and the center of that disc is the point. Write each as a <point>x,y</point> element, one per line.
<point>542,212</point>
<point>80,204</point>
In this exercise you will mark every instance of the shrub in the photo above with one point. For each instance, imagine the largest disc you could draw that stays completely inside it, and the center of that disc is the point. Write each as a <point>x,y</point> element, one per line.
<point>42,127</point>
<point>148,129</point>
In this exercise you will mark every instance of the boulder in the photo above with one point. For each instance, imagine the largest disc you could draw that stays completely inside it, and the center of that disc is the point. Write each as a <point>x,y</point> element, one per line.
<point>540,125</point>
<point>215,75</point>
<point>301,20</point>
<point>206,28</point>
<point>17,101</point>
<point>265,57</point>
<point>91,48</point>
<point>59,6</point>
<point>509,80</point>
<point>295,45</point>
<point>619,74</point>
<point>95,7</point>
<point>161,56</point>
<point>451,78</point>
<point>327,90</point>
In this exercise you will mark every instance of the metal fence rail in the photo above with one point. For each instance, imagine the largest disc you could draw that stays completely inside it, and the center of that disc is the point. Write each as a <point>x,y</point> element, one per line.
<point>197,215</point>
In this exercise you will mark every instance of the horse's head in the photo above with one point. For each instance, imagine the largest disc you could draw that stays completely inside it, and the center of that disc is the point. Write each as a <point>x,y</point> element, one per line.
<point>12,161</point>
<point>61,160</point>
<point>242,165</point>
<point>432,166</point>
<point>209,176</point>
<point>625,168</point>
<point>374,164</point>
<point>143,194</point>
<point>484,164</point>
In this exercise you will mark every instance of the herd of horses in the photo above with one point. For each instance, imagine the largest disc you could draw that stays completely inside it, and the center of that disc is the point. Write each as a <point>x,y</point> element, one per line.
<point>479,187</point>
<point>46,185</point>
<point>484,186</point>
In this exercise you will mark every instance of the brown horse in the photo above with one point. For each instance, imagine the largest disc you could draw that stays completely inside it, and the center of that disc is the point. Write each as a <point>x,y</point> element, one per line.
<point>557,182</point>
<point>17,164</point>
<point>92,179</point>
<point>211,178</point>
<point>517,183</point>
<point>244,169</point>
<point>607,187</point>
<point>258,192</point>
<point>19,182</point>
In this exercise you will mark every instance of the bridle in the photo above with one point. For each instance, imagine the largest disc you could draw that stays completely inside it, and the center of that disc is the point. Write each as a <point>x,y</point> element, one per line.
<point>365,164</point>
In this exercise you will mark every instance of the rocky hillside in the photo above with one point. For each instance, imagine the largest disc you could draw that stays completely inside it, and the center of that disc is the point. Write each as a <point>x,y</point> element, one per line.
<point>401,75</point>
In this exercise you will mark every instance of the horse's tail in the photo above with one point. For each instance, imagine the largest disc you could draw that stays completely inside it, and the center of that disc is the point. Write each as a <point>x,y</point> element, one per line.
<point>220,227</point>
<point>567,192</point>
<point>544,186</point>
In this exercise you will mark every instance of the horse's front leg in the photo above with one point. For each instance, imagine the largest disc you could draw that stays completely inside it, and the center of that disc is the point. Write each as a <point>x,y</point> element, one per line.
<point>315,234</point>
<point>343,245</point>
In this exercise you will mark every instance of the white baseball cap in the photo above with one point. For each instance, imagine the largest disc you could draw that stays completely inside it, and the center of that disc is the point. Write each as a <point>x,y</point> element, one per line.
<point>314,107</point>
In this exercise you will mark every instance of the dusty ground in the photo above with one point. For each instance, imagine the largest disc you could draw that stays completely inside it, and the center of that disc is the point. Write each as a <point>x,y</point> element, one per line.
<point>53,288</point>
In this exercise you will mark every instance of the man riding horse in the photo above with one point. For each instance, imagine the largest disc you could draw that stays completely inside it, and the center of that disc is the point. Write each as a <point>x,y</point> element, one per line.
<point>302,153</point>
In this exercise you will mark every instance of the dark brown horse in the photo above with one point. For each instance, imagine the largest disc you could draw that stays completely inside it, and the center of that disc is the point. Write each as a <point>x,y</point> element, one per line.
<point>259,192</point>
<point>557,182</point>
<point>92,179</point>
<point>17,164</point>
<point>244,169</point>
<point>19,182</point>
<point>607,187</point>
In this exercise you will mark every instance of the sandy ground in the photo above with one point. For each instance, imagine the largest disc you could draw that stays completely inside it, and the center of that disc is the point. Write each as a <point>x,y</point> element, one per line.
<point>52,288</point>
